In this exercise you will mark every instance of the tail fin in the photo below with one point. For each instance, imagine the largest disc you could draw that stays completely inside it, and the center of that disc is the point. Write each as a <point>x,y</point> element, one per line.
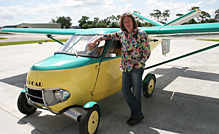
<point>186,17</point>
<point>147,19</point>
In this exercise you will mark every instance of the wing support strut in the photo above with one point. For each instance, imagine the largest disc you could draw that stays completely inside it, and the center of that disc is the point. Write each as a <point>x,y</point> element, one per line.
<point>183,56</point>
<point>50,36</point>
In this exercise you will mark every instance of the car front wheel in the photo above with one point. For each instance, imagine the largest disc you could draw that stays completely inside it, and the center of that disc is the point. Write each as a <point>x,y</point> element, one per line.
<point>89,120</point>
<point>23,105</point>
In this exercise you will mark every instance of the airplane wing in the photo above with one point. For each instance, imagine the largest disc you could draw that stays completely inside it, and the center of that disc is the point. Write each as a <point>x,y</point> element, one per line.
<point>41,31</point>
<point>61,31</point>
<point>186,17</point>
<point>207,28</point>
<point>179,30</point>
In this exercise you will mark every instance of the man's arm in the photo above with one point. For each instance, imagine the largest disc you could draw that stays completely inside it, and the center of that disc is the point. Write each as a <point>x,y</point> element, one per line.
<point>115,36</point>
<point>146,49</point>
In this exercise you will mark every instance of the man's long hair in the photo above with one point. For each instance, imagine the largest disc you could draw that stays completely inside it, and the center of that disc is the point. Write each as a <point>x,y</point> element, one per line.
<point>135,25</point>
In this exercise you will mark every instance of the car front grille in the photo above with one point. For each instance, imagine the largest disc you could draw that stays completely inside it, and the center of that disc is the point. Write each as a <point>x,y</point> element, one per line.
<point>35,96</point>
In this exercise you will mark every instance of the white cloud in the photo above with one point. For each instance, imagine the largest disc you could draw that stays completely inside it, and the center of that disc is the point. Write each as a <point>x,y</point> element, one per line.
<point>107,10</point>
<point>85,3</point>
<point>126,0</point>
<point>72,3</point>
<point>128,8</point>
<point>211,2</point>
<point>86,11</point>
<point>6,15</point>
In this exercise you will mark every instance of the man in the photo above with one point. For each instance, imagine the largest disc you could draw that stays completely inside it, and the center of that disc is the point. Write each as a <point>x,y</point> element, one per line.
<point>135,51</point>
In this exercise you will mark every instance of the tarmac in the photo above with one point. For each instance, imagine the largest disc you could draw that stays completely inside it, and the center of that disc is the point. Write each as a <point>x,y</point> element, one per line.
<point>185,100</point>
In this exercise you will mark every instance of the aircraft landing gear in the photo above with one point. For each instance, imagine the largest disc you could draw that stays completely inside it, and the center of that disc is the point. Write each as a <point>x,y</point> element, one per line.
<point>149,85</point>
<point>89,120</point>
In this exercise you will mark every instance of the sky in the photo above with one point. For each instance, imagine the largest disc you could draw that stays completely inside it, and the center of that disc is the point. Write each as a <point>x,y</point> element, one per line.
<point>13,12</point>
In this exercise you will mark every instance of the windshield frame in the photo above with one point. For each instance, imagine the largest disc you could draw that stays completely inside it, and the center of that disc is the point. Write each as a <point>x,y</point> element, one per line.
<point>70,44</point>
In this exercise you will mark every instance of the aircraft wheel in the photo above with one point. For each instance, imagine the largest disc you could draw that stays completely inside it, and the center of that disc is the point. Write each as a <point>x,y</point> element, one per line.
<point>148,87</point>
<point>23,105</point>
<point>89,120</point>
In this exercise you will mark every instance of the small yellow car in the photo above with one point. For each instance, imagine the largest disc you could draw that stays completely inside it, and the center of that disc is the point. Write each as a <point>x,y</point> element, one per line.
<point>75,78</point>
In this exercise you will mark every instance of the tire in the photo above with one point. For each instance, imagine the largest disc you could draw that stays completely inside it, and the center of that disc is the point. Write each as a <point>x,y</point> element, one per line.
<point>149,86</point>
<point>89,121</point>
<point>23,106</point>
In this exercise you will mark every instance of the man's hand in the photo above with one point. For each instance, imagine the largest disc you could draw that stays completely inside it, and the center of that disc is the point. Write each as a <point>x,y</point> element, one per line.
<point>92,44</point>
<point>137,66</point>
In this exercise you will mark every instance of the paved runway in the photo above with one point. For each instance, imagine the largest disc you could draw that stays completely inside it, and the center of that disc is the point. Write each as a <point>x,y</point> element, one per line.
<point>186,98</point>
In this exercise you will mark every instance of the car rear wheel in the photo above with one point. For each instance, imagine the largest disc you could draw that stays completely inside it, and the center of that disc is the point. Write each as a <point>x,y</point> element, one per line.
<point>148,87</point>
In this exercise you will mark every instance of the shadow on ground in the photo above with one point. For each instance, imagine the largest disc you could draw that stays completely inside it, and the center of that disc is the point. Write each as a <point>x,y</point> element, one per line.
<point>183,113</point>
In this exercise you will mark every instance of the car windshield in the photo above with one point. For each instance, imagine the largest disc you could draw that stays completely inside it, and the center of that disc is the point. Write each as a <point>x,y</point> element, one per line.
<point>77,45</point>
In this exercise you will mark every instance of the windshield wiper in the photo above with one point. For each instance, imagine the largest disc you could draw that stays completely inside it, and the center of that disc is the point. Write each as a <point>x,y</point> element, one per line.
<point>75,52</point>
<point>72,47</point>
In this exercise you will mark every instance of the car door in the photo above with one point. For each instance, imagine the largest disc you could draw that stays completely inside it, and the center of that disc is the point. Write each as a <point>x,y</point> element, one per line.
<point>109,79</point>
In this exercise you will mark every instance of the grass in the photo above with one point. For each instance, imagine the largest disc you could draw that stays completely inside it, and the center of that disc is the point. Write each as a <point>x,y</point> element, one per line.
<point>209,40</point>
<point>28,42</point>
<point>1,38</point>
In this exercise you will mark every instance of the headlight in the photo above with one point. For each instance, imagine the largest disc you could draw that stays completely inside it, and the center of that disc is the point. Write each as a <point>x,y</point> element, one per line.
<point>62,95</point>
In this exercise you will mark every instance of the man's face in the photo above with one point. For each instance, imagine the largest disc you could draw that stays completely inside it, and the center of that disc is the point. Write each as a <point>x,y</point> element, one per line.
<point>127,22</point>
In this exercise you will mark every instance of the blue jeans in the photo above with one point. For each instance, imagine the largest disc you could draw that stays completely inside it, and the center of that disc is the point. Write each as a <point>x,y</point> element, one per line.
<point>133,79</point>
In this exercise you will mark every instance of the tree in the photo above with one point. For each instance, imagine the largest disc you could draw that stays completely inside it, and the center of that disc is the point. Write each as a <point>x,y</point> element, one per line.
<point>192,8</point>
<point>216,15</point>
<point>53,21</point>
<point>166,14</point>
<point>113,18</point>
<point>192,21</point>
<point>204,16</point>
<point>96,19</point>
<point>118,18</point>
<point>65,21</point>
<point>152,15</point>
<point>114,25</point>
<point>179,14</point>
<point>83,20</point>
<point>106,21</point>
<point>136,17</point>
<point>139,23</point>
<point>85,26</point>
<point>101,25</point>
<point>156,14</point>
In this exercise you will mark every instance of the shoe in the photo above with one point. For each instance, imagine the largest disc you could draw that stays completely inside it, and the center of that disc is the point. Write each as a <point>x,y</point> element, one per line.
<point>133,121</point>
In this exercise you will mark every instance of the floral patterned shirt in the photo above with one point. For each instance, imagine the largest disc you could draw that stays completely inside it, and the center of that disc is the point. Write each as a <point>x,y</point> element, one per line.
<point>135,49</point>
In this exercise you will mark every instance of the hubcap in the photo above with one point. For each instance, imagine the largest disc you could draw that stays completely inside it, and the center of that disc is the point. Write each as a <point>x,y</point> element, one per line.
<point>93,122</point>
<point>151,86</point>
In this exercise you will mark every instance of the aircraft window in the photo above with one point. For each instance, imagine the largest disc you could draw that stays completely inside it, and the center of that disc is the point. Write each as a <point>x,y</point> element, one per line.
<point>111,50</point>
<point>97,51</point>
<point>114,49</point>
<point>77,45</point>
<point>118,48</point>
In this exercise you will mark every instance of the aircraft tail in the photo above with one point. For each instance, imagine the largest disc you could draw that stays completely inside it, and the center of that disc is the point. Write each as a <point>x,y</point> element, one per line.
<point>147,19</point>
<point>182,19</point>
<point>186,17</point>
